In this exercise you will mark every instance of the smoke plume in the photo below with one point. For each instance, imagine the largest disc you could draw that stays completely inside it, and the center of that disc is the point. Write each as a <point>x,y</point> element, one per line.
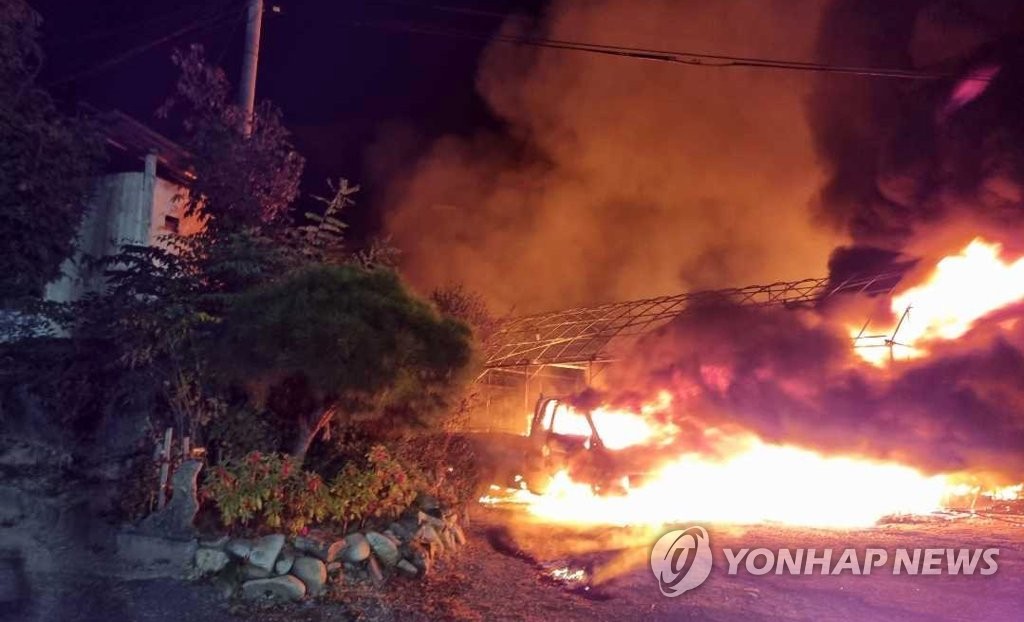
<point>915,172</point>
<point>792,378</point>
<point>616,178</point>
<point>905,155</point>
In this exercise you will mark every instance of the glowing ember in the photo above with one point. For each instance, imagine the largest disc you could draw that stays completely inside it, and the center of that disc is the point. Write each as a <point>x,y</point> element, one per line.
<point>962,289</point>
<point>568,575</point>
<point>759,483</point>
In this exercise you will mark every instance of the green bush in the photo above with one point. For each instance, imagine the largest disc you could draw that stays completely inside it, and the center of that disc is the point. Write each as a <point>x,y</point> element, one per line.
<point>269,492</point>
<point>239,430</point>
<point>445,464</point>
<point>266,491</point>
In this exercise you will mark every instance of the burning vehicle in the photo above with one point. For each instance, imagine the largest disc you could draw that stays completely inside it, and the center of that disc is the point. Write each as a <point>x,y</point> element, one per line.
<point>565,440</point>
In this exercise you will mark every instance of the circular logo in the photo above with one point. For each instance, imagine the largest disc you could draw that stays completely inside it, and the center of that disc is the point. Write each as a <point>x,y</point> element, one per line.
<point>681,560</point>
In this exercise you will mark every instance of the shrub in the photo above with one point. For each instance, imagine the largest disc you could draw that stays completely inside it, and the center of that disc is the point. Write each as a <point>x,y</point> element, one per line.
<point>357,342</point>
<point>381,489</point>
<point>240,430</point>
<point>266,491</point>
<point>445,465</point>
<point>269,492</point>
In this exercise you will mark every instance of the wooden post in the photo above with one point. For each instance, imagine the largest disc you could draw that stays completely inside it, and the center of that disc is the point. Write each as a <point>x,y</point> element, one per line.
<point>165,469</point>
<point>186,447</point>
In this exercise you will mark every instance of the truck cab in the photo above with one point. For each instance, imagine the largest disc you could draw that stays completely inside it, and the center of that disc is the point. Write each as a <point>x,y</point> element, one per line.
<point>563,438</point>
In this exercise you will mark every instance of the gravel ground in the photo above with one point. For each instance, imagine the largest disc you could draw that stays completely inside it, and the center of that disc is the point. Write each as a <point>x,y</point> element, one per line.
<point>504,574</point>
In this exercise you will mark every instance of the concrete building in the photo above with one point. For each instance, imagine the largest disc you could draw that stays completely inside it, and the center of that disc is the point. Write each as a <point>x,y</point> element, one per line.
<point>133,202</point>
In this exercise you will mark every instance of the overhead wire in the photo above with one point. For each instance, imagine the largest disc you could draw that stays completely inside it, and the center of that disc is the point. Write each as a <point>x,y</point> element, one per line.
<point>678,57</point>
<point>699,59</point>
<point>93,34</point>
<point>206,22</point>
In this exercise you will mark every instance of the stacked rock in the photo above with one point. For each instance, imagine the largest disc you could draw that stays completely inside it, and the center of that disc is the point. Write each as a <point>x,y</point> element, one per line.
<point>278,568</point>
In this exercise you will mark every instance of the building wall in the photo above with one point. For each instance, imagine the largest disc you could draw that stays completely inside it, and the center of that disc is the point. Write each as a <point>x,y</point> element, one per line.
<point>124,208</point>
<point>165,205</point>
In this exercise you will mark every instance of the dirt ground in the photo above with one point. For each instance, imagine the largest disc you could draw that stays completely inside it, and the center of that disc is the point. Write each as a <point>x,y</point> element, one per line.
<point>632,592</point>
<point>504,573</point>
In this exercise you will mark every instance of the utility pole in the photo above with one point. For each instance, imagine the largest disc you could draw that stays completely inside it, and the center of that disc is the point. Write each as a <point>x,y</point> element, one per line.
<point>247,83</point>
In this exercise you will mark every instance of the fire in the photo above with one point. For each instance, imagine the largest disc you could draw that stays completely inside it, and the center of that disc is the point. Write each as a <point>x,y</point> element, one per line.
<point>741,479</point>
<point>619,428</point>
<point>1000,493</point>
<point>738,479</point>
<point>1007,493</point>
<point>962,289</point>
<point>758,483</point>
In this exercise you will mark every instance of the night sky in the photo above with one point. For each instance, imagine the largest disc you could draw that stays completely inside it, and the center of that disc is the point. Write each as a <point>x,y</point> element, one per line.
<point>339,84</point>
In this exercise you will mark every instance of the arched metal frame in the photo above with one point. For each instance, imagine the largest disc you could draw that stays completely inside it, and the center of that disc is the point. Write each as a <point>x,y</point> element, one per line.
<point>576,338</point>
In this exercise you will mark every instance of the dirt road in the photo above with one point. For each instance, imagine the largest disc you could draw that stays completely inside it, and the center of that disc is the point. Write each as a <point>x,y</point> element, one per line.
<point>499,586</point>
<point>505,573</point>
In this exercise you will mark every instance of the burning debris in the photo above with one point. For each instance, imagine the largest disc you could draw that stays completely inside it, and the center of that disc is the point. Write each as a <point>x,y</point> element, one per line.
<point>963,288</point>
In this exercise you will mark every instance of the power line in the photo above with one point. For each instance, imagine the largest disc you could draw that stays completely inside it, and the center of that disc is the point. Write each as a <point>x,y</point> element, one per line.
<point>668,56</point>
<point>443,8</point>
<point>135,26</point>
<point>205,23</point>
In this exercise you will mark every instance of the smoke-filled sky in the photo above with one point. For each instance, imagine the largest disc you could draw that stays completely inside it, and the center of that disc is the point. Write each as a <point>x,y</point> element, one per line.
<point>571,178</point>
<point>615,178</point>
<point>916,168</point>
<point>901,154</point>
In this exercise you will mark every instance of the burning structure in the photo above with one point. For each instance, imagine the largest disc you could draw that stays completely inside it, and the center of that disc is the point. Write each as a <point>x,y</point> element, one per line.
<point>899,390</point>
<point>770,403</point>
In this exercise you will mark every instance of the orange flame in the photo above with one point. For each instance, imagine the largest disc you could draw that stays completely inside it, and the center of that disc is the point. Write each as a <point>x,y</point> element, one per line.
<point>757,483</point>
<point>962,289</point>
<point>746,480</point>
<point>620,428</point>
<point>741,480</point>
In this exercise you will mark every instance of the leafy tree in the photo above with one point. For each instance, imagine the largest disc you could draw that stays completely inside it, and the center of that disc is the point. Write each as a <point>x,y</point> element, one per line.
<point>351,344</point>
<point>322,239</point>
<point>161,302</point>
<point>456,301</point>
<point>154,312</point>
<point>284,314</point>
<point>240,181</point>
<point>46,162</point>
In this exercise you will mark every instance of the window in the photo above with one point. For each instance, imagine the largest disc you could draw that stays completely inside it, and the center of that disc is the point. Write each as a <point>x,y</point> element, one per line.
<point>171,224</point>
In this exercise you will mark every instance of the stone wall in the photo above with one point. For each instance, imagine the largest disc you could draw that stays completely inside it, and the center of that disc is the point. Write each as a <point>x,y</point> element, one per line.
<point>278,568</point>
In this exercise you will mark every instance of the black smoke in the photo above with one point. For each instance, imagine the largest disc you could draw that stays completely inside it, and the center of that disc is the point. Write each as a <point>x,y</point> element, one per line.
<point>793,378</point>
<point>901,154</point>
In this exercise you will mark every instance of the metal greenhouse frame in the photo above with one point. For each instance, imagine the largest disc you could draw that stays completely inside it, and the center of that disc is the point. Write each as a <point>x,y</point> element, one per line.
<point>566,350</point>
<point>576,337</point>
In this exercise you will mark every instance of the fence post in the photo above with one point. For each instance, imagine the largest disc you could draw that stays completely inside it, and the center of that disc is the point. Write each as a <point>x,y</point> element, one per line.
<point>165,469</point>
